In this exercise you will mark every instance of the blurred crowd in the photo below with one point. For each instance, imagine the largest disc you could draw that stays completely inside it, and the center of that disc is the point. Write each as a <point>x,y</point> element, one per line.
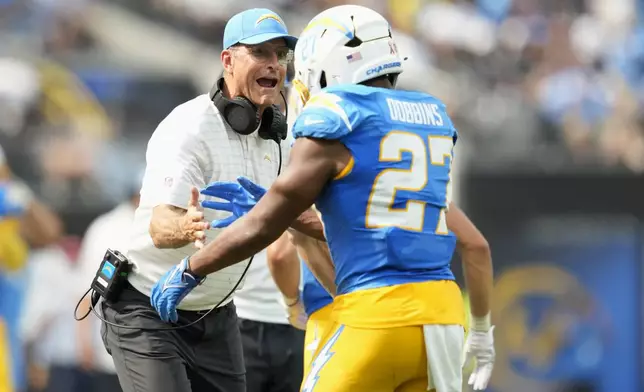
<point>546,84</point>
<point>537,84</point>
<point>553,86</point>
<point>533,85</point>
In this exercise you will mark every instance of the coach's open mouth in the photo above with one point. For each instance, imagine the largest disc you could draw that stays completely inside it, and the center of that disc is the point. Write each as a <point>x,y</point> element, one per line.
<point>267,82</point>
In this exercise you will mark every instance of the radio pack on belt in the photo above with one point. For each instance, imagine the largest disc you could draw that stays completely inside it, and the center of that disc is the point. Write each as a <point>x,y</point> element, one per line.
<point>111,275</point>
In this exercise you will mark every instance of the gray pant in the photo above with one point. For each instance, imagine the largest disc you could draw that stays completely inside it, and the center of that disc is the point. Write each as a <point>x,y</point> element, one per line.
<point>274,356</point>
<point>204,357</point>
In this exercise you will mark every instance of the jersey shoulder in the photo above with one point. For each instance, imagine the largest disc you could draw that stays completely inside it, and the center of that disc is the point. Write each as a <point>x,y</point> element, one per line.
<point>335,112</point>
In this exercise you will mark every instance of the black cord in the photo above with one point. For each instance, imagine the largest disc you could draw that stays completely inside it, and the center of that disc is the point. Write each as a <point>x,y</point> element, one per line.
<point>279,144</point>
<point>279,167</point>
<point>78,305</point>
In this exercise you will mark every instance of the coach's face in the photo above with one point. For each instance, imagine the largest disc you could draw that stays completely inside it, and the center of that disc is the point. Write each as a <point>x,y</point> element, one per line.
<point>257,71</point>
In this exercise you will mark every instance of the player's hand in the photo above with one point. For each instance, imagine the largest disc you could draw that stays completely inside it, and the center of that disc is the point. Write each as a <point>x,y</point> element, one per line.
<point>171,289</point>
<point>296,314</point>
<point>193,226</point>
<point>238,199</point>
<point>480,347</point>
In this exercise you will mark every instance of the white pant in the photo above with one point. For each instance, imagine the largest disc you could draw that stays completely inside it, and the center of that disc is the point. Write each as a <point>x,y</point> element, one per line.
<point>444,345</point>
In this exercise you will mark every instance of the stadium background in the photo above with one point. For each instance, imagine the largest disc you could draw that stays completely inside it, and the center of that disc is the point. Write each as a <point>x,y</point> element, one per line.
<point>547,96</point>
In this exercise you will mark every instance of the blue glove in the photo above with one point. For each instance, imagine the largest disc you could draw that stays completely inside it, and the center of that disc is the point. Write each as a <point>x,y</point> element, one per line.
<point>257,191</point>
<point>173,286</point>
<point>241,197</point>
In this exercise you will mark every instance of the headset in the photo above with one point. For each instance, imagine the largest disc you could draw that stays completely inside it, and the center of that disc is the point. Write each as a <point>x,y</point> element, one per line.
<point>244,118</point>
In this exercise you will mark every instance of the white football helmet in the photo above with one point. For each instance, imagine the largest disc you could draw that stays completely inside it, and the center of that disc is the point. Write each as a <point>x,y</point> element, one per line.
<point>348,44</point>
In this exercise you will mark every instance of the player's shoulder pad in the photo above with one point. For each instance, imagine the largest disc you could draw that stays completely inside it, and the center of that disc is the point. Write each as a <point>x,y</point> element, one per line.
<point>331,114</point>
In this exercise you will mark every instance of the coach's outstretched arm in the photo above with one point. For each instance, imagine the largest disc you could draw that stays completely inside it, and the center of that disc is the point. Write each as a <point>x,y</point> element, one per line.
<point>284,265</point>
<point>312,164</point>
<point>174,173</point>
<point>318,258</point>
<point>175,227</point>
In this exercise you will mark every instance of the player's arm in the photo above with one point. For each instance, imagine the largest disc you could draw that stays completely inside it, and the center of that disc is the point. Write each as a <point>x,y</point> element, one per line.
<point>477,265</point>
<point>312,164</point>
<point>318,258</point>
<point>284,265</point>
<point>308,222</point>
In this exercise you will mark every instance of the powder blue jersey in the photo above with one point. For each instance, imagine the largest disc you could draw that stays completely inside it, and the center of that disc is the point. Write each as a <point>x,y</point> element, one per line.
<point>384,215</point>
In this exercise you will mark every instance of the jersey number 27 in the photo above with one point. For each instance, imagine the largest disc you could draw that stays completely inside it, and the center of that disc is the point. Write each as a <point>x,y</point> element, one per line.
<point>380,212</point>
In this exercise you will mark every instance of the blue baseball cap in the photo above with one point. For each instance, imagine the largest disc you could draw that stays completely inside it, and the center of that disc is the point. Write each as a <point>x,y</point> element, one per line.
<point>255,26</point>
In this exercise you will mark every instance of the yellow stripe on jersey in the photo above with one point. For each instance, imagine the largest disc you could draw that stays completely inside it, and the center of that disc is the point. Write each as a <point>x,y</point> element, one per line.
<point>5,359</point>
<point>434,302</point>
<point>347,169</point>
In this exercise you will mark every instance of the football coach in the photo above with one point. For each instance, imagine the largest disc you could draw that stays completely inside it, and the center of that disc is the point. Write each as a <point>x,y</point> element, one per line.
<point>233,131</point>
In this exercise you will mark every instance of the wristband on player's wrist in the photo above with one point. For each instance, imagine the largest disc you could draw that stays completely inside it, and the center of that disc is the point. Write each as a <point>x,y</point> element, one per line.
<point>481,323</point>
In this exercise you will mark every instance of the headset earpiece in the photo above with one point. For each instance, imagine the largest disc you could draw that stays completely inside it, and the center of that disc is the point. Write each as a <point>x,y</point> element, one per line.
<point>239,113</point>
<point>273,126</point>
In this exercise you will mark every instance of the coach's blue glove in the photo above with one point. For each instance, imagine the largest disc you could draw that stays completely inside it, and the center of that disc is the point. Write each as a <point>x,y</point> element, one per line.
<point>241,196</point>
<point>173,286</point>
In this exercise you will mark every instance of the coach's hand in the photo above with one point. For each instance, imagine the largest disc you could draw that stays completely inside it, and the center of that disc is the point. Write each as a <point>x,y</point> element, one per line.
<point>480,347</point>
<point>193,225</point>
<point>240,198</point>
<point>173,286</point>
